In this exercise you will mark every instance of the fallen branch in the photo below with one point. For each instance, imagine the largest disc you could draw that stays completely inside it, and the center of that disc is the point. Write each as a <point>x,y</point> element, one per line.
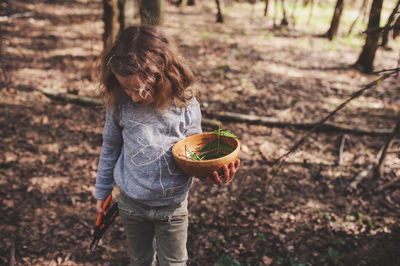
<point>341,148</point>
<point>337,109</point>
<point>275,122</point>
<point>362,175</point>
<point>387,185</point>
<point>72,98</point>
<point>282,159</point>
<point>12,255</point>
<point>90,101</point>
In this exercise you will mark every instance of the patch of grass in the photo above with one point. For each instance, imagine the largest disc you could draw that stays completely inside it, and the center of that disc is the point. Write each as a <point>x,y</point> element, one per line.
<point>332,255</point>
<point>205,35</point>
<point>290,260</point>
<point>353,41</point>
<point>262,237</point>
<point>226,260</point>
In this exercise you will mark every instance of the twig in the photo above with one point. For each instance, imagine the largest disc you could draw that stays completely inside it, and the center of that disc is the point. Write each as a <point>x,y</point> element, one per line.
<point>386,147</point>
<point>12,255</point>
<point>352,97</point>
<point>386,70</point>
<point>363,174</point>
<point>388,184</point>
<point>343,140</point>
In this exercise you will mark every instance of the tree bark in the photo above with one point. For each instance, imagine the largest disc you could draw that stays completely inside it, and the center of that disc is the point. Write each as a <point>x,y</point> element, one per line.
<point>266,7</point>
<point>128,11</point>
<point>220,18</point>
<point>366,59</point>
<point>337,14</point>
<point>386,30</point>
<point>152,12</point>
<point>284,21</point>
<point>111,21</point>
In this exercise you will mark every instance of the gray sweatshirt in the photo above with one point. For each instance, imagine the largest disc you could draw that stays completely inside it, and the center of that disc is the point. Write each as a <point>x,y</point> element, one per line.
<point>136,153</point>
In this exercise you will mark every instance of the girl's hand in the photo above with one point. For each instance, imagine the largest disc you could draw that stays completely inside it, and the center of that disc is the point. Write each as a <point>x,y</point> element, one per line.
<point>229,173</point>
<point>99,207</point>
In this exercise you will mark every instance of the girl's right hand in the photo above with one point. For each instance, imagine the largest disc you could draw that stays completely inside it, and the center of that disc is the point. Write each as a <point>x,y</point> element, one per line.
<point>99,207</point>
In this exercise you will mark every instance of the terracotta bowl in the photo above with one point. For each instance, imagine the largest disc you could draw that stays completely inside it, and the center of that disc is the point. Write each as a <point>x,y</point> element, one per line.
<point>195,143</point>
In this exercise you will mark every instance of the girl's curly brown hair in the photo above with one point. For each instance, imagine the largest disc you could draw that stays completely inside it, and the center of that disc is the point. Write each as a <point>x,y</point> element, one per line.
<point>147,52</point>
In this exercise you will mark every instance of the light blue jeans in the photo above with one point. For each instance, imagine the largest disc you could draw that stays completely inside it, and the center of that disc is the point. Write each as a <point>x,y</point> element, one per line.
<point>155,232</point>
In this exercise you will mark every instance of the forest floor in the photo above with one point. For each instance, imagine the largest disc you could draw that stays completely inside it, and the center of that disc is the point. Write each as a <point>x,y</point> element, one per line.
<point>314,211</point>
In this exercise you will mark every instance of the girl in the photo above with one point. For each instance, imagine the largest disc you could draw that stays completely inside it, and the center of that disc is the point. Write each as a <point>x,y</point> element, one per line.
<point>149,108</point>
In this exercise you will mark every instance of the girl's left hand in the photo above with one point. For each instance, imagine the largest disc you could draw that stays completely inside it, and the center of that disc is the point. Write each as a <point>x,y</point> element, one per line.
<point>229,173</point>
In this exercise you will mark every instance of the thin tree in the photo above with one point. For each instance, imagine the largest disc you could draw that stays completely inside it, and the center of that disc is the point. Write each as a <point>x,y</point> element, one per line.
<point>111,21</point>
<point>151,12</point>
<point>362,11</point>
<point>220,18</point>
<point>127,12</point>
<point>275,11</point>
<point>337,14</point>
<point>388,26</point>
<point>365,61</point>
<point>293,10</point>
<point>284,21</point>
<point>266,7</point>
<point>311,2</point>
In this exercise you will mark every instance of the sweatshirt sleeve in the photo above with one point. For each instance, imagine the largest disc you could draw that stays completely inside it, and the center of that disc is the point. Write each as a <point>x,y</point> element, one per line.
<point>110,152</point>
<point>193,116</point>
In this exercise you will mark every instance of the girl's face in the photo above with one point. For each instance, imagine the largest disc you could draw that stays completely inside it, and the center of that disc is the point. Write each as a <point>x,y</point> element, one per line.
<point>130,85</point>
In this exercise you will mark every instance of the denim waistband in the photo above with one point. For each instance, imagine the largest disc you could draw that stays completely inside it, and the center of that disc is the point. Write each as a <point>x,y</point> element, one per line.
<point>128,199</point>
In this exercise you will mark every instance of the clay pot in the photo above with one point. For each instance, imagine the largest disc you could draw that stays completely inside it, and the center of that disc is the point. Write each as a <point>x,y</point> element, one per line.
<point>195,143</point>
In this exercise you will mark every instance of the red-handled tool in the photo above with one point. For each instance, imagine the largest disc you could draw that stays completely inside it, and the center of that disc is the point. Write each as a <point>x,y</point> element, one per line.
<point>103,222</point>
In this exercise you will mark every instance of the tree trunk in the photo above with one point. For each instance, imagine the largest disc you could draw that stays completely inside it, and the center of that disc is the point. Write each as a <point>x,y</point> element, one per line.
<point>128,12</point>
<point>220,18</point>
<point>332,32</point>
<point>386,30</point>
<point>311,11</point>
<point>111,21</point>
<point>294,10</point>
<point>266,7</point>
<point>284,21</point>
<point>363,10</point>
<point>366,59</point>
<point>151,12</point>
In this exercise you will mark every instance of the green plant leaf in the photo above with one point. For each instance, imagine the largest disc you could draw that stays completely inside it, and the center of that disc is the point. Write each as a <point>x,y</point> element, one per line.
<point>193,156</point>
<point>226,260</point>
<point>209,146</point>
<point>212,155</point>
<point>225,147</point>
<point>225,133</point>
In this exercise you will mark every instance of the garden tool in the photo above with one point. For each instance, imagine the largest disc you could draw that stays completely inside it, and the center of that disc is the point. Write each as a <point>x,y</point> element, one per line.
<point>103,222</point>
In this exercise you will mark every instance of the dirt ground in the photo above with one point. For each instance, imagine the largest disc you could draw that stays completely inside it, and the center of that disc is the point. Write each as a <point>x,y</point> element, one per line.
<point>313,211</point>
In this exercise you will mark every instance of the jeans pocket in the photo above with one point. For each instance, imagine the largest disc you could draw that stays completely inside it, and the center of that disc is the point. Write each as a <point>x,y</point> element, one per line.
<point>174,214</point>
<point>125,207</point>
